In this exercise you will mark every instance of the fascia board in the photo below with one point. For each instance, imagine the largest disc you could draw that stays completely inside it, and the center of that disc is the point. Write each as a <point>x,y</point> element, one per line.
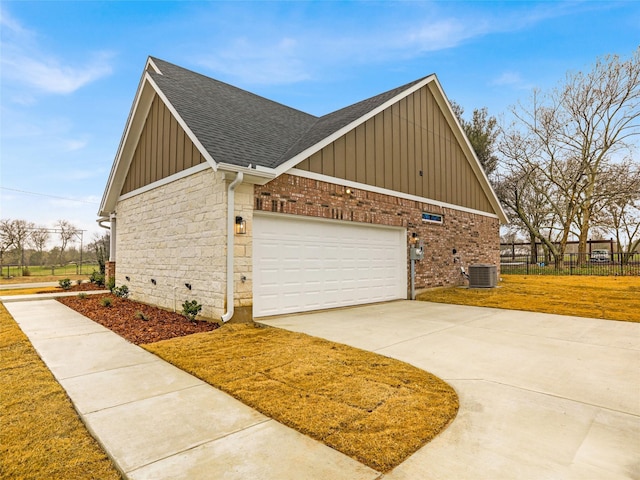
<point>135,121</point>
<point>131,135</point>
<point>476,166</point>
<point>289,164</point>
<point>210,160</point>
<point>152,64</point>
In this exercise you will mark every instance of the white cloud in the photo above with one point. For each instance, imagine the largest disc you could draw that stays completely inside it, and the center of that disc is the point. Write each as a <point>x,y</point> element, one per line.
<point>25,64</point>
<point>73,145</point>
<point>50,76</point>
<point>284,51</point>
<point>280,62</point>
<point>511,79</point>
<point>442,34</point>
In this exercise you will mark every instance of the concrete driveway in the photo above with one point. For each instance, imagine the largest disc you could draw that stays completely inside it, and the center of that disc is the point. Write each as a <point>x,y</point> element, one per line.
<point>541,396</point>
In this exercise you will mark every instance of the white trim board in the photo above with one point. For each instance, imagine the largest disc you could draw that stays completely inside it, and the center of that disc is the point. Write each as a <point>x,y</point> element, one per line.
<point>166,180</point>
<point>392,193</point>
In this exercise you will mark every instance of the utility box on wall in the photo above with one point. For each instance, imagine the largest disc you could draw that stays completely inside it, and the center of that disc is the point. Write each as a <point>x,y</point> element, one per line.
<point>483,276</point>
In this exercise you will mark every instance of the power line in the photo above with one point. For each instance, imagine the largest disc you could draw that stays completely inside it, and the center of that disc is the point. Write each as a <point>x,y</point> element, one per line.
<point>50,196</point>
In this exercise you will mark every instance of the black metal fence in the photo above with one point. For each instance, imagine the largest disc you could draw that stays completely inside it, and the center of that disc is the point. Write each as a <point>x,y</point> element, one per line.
<point>573,264</point>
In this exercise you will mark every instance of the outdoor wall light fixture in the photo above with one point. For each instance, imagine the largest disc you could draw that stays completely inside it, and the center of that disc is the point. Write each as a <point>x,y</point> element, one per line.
<point>128,279</point>
<point>348,191</point>
<point>153,280</point>
<point>188,285</point>
<point>241,226</point>
<point>414,238</point>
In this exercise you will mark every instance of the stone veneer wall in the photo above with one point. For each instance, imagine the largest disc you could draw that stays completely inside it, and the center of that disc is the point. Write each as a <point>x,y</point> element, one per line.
<point>475,237</point>
<point>176,234</point>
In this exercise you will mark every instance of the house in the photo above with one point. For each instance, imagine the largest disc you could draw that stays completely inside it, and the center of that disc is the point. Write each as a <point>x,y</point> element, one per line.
<point>253,208</point>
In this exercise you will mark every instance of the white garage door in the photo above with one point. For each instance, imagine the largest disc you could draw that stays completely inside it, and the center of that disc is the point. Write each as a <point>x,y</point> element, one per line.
<point>302,264</point>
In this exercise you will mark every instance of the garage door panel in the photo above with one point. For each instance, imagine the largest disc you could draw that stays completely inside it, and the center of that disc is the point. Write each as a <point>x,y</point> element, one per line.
<point>305,264</point>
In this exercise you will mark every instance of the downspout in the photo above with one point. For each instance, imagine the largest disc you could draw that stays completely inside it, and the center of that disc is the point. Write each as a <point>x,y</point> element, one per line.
<point>112,238</point>
<point>112,234</point>
<point>230,243</point>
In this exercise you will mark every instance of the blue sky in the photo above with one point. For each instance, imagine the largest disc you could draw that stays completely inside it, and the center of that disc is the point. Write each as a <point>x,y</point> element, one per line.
<point>69,70</point>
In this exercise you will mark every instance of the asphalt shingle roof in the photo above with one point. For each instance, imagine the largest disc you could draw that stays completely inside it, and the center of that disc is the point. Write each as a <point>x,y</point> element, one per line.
<point>241,128</point>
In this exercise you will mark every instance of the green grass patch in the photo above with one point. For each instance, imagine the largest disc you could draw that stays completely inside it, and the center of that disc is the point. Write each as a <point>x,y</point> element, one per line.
<point>41,435</point>
<point>13,272</point>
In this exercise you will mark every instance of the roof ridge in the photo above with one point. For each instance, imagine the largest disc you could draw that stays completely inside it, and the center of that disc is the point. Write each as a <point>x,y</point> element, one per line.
<point>228,85</point>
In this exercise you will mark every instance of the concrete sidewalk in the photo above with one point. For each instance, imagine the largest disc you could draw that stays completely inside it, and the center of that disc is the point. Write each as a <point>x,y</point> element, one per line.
<point>18,286</point>
<point>156,421</point>
<point>38,296</point>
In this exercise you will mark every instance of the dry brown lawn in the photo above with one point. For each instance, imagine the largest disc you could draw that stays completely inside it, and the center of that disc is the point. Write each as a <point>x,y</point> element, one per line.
<point>611,298</point>
<point>28,291</point>
<point>41,436</point>
<point>375,409</point>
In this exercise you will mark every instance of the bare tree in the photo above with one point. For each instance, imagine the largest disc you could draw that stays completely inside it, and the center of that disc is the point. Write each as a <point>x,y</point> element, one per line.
<point>14,234</point>
<point>100,246</point>
<point>572,136</point>
<point>38,238</point>
<point>520,193</point>
<point>67,232</point>
<point>620,215</point>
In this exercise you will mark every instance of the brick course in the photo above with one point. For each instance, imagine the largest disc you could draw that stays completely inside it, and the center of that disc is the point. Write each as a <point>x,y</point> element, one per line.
<point>474,236</point>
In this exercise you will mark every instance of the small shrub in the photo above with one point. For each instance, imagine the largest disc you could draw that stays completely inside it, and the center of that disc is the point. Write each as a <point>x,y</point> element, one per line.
<point>141,316</point>
<point>79,282</point>
<point>82,295</point>
<point>65,283</point>
<point>121,292</point>
<point>97,278</point>
<point>26,272</point>
<point>105,302</point>
<point>191,309</point>
<point>111,284</point>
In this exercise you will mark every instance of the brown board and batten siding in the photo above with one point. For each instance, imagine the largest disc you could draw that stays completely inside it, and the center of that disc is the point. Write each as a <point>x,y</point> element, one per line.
<point>163,149</point>
<point>409,147</point>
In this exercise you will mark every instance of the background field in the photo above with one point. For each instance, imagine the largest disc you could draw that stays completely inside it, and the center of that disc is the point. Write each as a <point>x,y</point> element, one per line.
<point>13,274</point>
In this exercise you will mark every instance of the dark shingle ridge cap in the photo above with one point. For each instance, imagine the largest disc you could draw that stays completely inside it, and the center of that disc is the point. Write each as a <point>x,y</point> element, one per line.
<point>234,126</point>
<point>334,121</point>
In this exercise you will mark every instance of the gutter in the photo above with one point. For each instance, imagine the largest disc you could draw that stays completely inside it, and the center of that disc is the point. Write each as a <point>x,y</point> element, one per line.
<point>230,243</point>
<point>101,220</point>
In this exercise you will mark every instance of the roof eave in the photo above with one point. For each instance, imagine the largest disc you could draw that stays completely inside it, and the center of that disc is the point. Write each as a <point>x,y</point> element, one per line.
<point>147,89</point>
<point>256,176</point>
<point>466,145</point>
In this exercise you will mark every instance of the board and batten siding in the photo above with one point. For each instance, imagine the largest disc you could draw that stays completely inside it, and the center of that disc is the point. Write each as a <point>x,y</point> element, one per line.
<point>410,148</point>
<point>163,149</point>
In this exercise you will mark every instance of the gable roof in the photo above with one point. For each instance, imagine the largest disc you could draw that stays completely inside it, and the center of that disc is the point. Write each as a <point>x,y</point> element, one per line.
<point>235,126</point>
<point>329,124</point>
<point>237,130</point>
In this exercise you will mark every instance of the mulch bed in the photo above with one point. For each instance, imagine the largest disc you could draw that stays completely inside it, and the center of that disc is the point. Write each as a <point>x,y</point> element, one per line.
<point>137,322</point>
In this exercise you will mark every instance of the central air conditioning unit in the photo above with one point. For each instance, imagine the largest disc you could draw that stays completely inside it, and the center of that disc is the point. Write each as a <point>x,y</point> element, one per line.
<point>483,276</point>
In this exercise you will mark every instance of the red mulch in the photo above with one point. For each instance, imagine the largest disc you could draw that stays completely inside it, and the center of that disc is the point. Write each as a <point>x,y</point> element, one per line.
<point>123,317</point>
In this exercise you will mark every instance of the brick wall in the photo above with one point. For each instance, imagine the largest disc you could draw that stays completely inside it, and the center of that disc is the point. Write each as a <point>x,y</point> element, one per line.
<point>474,236</point>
